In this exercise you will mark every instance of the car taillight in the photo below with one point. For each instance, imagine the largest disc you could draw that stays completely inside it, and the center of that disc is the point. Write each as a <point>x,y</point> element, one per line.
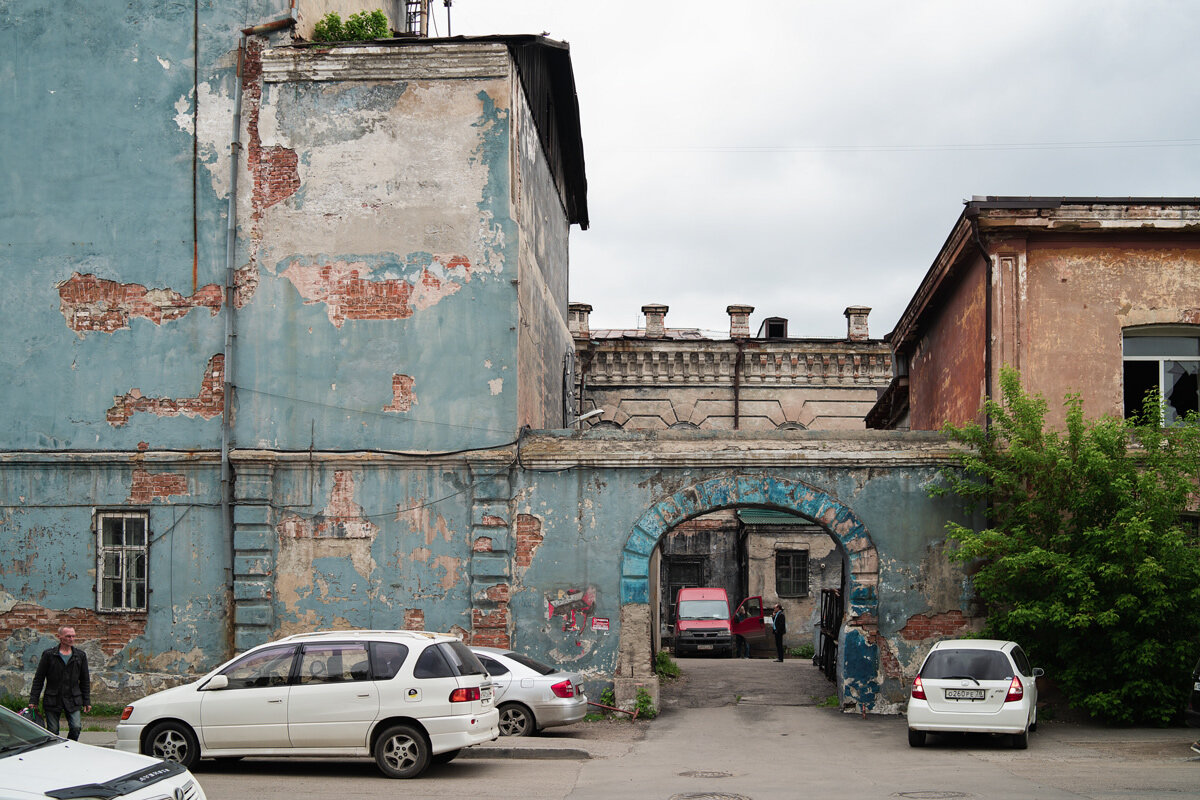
<point>1015,690</point>
<point>127,712</point>
<point>464,695</point>
<point>918,691</point>
<point>563,689</point>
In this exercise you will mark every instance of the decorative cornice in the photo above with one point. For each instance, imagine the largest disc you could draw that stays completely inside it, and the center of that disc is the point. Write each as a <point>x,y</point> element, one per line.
<point>687,363</point>
<point>374,62</point>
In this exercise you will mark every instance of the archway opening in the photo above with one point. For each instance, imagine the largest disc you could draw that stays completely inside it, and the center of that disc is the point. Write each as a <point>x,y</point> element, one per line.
<point>857,666</point>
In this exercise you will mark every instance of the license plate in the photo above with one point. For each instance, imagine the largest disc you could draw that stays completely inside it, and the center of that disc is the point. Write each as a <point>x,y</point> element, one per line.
<point>704,647</point>
<point>965,694</point>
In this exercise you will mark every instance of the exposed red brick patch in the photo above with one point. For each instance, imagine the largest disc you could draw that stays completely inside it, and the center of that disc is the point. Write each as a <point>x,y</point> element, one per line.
<point>113,632</point>
<point>927,626</point>
<point>273,168</point>
<point>245,282</point>
<point>403,398</point>
<point>492,521</point>
<point>342,518</point>
<point>490,629</point>
<point>208,404</point>
<point>482,545</point>
<point>92,304</point>
<point>1190,316</point>
<point>529,537</point>
<point>350,292</point>
<point>498,593</point>
<point>414,619</point>
<point>147,486</point>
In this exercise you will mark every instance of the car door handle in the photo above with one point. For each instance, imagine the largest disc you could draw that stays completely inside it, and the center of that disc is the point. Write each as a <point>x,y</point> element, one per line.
<point>276,700</point>
<point>365,695</point>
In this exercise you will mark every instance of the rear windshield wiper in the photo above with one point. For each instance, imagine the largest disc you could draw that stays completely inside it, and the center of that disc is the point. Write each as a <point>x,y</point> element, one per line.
<point>962,677</point>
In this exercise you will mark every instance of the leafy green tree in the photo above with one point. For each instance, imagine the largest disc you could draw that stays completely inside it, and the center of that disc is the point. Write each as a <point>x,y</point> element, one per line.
<point>1083,560</point>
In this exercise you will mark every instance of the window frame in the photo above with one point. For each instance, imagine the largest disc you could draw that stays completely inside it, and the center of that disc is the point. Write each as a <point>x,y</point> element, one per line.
<point>791,553</point>
<point>123,552</point>
<point>1160,360</point>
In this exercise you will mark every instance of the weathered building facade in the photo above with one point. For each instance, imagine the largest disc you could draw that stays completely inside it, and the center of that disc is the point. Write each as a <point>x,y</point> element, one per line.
<point>1095,296</point>
<point>291,350</point>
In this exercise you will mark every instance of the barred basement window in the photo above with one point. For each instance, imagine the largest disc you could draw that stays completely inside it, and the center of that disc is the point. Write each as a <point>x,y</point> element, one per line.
<point>123,549</point>
<point>791,573</point>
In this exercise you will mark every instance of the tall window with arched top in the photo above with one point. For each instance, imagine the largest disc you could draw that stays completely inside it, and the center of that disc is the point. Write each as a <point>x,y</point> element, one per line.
<point>1165,360</point>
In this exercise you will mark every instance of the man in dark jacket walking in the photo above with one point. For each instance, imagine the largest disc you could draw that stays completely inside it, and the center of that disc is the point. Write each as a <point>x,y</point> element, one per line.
<point>779,623</point>
<point>63,670</point>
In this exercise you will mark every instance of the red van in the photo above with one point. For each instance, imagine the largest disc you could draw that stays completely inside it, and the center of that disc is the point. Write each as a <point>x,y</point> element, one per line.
<point>703,622</point>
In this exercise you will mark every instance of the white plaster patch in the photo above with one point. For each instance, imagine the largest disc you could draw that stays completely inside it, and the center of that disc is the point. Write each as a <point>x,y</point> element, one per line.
<point>165,64</point>
<point>183,115</point>
<point>496,385</point>
<point>487,363</point>
<point>214,134</point>
<point>7,601</point>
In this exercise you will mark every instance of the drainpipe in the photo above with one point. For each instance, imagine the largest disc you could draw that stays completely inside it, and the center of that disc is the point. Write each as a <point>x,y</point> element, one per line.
<point>987,310</point>
<point>235,150</point>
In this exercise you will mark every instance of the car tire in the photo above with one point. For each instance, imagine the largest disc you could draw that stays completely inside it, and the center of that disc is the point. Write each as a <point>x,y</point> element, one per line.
<point>516,720</point>
<point>1020,741</point>
<point>916,738</point>
<point>446,757</point>
<point>401,752</point>
<point>172,741</point>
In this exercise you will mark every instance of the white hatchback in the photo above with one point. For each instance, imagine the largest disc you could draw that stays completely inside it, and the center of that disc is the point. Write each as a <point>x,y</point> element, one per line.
<point>407,698</point>
<point>974,686</point>
<point>36,765</point>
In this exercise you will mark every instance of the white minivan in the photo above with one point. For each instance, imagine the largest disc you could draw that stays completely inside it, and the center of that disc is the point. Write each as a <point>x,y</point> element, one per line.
<point>407,698</point>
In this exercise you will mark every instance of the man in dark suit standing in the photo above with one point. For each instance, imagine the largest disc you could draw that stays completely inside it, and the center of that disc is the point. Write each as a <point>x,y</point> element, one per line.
<point>779,623</point>
<point>63,669</point>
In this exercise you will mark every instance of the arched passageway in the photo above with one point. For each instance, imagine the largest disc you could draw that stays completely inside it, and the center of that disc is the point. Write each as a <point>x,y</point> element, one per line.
<point>858,670</point>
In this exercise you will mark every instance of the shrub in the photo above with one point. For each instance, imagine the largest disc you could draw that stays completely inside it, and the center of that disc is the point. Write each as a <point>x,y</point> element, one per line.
<point>1083,560</point>
<point>361,27</point>
<point>645,704</point>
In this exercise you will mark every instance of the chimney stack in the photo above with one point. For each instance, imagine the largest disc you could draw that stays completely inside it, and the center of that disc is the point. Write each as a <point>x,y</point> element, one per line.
<point>739,321</point>
<point>577,320</point>
<point>856,323</point>
<point>655,314</point>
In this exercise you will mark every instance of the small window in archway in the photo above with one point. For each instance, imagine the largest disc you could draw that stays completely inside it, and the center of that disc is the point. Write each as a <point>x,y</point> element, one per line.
<point>685,426</point>
<point>1166,361</point>
<point>791,426</point>
<point>791,573</point>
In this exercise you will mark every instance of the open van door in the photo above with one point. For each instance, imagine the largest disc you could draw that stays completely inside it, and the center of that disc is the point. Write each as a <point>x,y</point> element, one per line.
<point>748,622</point>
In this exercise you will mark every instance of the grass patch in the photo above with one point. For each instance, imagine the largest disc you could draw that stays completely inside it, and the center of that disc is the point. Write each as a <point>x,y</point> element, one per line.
<point>665,667</point>
<point>803,651</point>
<point>828,702</point>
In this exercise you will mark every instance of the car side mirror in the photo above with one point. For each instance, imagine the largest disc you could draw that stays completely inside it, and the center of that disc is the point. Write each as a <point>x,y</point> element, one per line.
<point>216,682</point>
<point>1038,672</point>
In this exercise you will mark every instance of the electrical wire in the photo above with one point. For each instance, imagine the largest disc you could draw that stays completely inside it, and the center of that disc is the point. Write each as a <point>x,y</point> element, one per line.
<point>382,414</point>
<point>916,148</point>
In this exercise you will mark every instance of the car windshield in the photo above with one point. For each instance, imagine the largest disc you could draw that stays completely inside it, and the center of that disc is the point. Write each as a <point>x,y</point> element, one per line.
<point>18,735</point>
<point>532,663</point>
<point>982,665</point>
<point>703,609</point>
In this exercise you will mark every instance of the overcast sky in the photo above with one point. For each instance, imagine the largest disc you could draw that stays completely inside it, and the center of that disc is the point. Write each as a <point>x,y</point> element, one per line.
<point>801,157</point>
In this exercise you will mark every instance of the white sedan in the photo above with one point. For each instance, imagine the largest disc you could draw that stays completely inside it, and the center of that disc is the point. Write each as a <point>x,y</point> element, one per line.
<point>531,695</point>
<point>974,686</point>
<point>37,764</point>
